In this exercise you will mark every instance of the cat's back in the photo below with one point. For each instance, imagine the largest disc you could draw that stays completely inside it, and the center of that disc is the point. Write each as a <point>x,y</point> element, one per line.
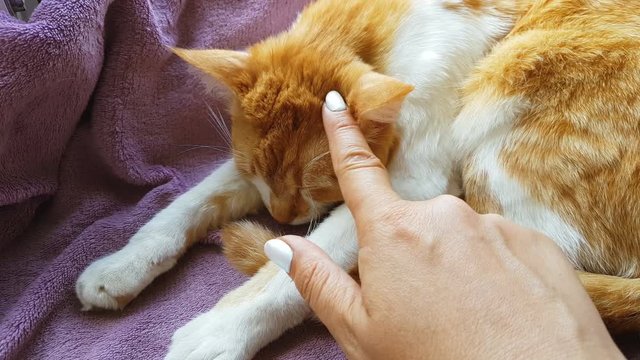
<point>561,152</point>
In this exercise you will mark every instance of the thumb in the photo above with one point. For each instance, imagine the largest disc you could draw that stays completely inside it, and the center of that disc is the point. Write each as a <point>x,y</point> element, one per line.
<point>331,293</point>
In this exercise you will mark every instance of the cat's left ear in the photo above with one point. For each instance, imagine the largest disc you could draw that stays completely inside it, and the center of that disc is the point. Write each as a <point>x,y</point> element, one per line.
<point>226,66</point>
<point>377,97</point>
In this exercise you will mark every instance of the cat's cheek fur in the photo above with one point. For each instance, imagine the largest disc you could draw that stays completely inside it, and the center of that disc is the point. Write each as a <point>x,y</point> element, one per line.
<point>263,189</point>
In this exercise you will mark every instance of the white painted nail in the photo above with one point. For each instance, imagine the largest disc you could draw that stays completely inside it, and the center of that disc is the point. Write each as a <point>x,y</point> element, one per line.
<point>280,253</point>
<point>335,102</point>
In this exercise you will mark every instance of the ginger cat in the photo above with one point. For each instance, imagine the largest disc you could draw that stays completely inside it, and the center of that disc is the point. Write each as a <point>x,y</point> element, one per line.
<point>529,109</point>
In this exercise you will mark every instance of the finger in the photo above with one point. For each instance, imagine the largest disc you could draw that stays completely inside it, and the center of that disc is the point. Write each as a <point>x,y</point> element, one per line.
<point>330,292</point>
<point>363,179</point>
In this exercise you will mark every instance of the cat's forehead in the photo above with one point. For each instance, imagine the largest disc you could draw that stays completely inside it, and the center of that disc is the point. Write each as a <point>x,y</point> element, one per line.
<point>295,74</point>
<point>277,96</point>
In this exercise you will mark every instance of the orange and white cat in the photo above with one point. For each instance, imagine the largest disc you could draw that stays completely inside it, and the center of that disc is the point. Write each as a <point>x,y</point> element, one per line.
<point>530,109</point>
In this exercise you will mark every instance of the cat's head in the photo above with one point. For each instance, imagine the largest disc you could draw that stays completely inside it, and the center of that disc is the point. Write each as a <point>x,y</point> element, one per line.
<point>277,134</point>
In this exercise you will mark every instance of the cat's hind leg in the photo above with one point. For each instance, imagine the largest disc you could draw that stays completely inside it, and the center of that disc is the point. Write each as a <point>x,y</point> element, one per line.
<point>113,281</point>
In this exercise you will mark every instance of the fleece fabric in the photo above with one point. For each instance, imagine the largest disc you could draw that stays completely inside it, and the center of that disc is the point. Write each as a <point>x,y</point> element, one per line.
<point>100,128</point>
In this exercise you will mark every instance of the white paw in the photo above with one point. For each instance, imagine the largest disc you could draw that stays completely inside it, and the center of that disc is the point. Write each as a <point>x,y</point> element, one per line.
<point>220,334</point>
<point>113,281</point>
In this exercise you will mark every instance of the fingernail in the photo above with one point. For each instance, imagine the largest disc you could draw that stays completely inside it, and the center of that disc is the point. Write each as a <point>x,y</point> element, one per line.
<point>280,253</point>
<point>335,102</point>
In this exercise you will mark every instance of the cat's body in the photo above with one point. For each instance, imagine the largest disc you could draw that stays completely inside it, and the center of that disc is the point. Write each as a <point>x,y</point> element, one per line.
<point>533,136</point>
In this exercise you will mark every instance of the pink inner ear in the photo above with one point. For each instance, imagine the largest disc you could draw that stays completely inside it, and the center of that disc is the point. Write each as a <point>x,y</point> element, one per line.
<point>379,97</point>
<point>387,114</point>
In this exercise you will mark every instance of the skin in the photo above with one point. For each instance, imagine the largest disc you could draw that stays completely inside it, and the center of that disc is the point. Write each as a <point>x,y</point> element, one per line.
<point>439,280</point>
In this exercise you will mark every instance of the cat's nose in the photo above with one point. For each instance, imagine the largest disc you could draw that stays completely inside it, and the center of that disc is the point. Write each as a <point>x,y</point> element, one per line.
<point>282,211</point>
<point>289,210</point>
<point>283,217</point>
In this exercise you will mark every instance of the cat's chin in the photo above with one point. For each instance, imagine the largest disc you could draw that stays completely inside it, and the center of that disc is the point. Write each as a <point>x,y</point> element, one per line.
<point>300,220</point>
<point>322,211</point>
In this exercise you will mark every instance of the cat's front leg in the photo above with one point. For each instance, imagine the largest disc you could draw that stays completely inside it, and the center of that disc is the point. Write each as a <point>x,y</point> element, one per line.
<point>258,312</point>
<point>113,281</point>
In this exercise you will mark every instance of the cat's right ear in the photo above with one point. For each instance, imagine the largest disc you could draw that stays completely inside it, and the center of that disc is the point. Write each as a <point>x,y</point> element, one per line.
<point>226,66</point>
<point>377,97</point>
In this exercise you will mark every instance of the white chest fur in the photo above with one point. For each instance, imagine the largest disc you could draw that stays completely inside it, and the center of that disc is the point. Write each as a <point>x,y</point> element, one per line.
<point>434,50</point>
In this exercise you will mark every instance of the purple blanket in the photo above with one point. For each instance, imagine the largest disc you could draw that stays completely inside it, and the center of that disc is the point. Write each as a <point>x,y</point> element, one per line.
<point>101,127</point>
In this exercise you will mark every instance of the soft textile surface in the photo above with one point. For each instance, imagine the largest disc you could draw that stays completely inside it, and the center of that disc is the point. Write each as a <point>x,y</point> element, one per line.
<point>97,123</point>
<point>100,127</point>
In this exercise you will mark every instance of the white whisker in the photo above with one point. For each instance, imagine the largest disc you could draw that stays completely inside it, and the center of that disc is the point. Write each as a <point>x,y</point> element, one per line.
<point>240,156</point>
<point>313,210</point>
<point>226,129</point>
<point>200,147</point>
<point>219,125</point>
<point>316,159</point>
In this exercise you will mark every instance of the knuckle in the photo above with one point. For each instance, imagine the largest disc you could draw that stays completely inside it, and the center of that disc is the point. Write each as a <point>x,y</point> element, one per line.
<point>354,152</point>
<point>356,157</point>
<point>450,202</point>
<point>407,232</point>
<point>452,207</point>
<point>452,212</point>
<point>345,125</point>
<point>493,219</point>
<point>495,224</point>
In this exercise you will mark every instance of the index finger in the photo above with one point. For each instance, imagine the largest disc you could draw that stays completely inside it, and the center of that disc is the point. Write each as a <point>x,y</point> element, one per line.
<point>364,181</point>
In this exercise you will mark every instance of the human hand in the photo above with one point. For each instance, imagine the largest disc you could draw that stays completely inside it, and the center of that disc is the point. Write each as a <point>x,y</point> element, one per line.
<point>438,280</point>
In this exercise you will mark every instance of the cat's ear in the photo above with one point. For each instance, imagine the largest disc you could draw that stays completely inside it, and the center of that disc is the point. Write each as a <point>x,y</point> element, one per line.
<point>378,97</point>
<point>227,66</point>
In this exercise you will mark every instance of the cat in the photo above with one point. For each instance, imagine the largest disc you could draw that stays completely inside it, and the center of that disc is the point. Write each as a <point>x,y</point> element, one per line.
<point>526,108</point>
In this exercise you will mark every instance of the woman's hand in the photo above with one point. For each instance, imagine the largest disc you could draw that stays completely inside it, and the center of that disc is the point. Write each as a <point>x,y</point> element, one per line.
<point>438,280</point>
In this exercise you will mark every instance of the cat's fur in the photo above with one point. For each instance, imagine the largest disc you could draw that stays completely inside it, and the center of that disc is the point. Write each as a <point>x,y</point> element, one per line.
<point>543,128</point>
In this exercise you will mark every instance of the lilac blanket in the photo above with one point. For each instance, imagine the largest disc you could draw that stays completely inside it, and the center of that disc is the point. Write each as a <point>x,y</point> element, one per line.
<point>100,127</point>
